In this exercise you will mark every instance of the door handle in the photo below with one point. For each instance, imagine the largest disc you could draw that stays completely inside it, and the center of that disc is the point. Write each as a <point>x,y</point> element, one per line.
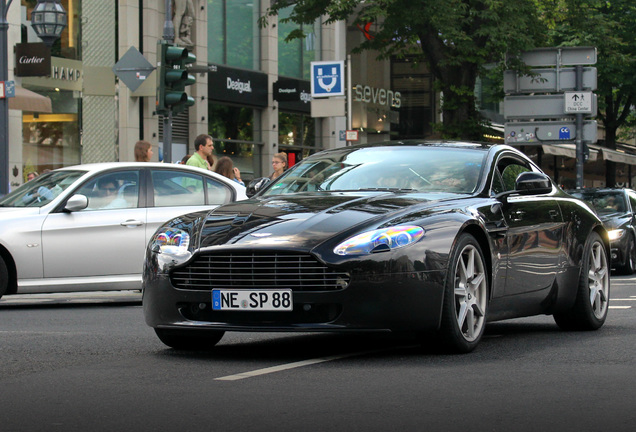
<point>517,215</point>
<point>131,223</point>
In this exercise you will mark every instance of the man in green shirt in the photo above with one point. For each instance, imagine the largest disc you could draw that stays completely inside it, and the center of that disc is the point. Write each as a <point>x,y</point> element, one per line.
<point>203,147</point>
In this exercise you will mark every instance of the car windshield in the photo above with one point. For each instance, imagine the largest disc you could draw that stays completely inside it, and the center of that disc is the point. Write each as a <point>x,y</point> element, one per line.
<point>603,203</point>
<point>392,168</point>
<point>41,190</point>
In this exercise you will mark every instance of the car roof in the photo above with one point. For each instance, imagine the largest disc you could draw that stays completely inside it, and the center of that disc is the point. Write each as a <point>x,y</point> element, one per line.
<point>598,190</point>
<point>101,166</point>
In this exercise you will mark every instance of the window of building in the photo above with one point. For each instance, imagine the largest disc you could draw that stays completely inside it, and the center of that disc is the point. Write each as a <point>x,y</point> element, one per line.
<point>233,33</point>
<point>295,56</point>
<point>296,136</point>
<point>415,84</point>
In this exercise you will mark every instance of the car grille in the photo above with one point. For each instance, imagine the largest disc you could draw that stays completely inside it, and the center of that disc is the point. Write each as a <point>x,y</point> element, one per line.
<point>300,272</point>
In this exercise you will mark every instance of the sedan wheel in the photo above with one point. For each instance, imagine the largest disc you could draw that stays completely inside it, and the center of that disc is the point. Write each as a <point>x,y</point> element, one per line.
<point>630,259</point>
<point>465,297</point>
<point>189,339</point>
<point>590,308</point>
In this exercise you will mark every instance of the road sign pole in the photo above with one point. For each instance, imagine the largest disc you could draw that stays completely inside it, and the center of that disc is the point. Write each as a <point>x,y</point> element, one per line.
<point>580,153</point>
<point>168,35</point>
<point>4,102</point>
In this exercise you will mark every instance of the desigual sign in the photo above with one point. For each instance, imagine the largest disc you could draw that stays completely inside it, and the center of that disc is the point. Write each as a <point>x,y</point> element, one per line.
<point>237,86</point>
<point>378,96</point>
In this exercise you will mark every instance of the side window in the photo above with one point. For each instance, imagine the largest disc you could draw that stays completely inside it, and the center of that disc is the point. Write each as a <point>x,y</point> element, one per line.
<point>632,200</point>
<point>176,188</point>
<point>510,170</point>
<point>114,190</point>
<point>218,193</point>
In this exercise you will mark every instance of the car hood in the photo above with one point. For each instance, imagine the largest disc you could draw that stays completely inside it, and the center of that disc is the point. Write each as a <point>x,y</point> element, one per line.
<point>616,220</point>
<point>305,220</point>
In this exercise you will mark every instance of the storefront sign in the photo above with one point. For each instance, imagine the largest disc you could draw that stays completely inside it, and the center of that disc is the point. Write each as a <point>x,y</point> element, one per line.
<point>32,59</point>
<point>237,86</point>
<point>377,96</point>
<point>293,95</point>
<point>64,74</point>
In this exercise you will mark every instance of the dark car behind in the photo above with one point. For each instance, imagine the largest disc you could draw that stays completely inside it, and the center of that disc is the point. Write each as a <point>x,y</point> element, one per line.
<point>616,209</point>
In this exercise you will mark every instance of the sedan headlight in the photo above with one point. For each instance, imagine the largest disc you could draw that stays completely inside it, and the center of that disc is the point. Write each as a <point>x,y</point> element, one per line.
<point>380,240</point>
<point>171,245</point>
<point>615,234</point>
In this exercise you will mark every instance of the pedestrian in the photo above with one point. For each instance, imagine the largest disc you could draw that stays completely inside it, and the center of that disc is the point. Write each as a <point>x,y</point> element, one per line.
<point>225,167</point>
<point>279,164</point>
<point>30,176</point>
<point>203,147</point>
<point>143,151</point>
<point>185,159</point>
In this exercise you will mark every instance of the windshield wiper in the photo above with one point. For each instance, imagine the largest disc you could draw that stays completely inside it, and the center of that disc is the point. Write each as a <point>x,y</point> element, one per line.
<point>386,189</point>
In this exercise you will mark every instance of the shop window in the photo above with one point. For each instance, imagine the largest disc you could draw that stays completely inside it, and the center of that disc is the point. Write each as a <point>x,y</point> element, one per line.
<point>297,136</point>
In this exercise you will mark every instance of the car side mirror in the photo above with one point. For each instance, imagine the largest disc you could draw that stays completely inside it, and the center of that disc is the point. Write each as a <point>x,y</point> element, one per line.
<point>533,183</point>
<point>76,203</point>
<point>256,185</point>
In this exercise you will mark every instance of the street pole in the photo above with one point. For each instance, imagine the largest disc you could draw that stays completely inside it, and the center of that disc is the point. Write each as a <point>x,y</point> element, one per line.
<point>580,152</point>
<point>4,102</point>
<point>168,36</point>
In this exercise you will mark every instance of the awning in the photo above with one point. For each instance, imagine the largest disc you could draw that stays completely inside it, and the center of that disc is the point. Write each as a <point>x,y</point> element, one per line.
<point>26,100</point>
<point>616,156</point>
<point>567,150</point>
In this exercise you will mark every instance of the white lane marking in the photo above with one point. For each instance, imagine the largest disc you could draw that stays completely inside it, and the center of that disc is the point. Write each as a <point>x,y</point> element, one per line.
<point>625,299</point>
<point>298,364</point>
<point>620,307</point>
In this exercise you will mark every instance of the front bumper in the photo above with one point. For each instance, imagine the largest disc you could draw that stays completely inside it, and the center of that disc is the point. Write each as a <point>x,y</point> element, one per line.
<point>395,302</point>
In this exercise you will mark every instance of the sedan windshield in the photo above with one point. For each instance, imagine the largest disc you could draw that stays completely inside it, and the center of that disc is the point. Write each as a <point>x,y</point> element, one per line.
<point>41,190</point>
<point>604,203</point>
<point>391,168</point>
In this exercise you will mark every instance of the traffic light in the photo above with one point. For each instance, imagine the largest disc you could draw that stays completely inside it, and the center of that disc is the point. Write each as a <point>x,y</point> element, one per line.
<point>173,77</point>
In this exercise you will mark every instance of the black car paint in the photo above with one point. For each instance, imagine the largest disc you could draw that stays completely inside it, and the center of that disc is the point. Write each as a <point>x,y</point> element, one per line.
<point>416,274</point>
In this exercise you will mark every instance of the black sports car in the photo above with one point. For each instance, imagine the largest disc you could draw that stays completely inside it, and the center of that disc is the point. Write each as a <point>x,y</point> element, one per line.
<point>616,209</point>
<point>397,236</point>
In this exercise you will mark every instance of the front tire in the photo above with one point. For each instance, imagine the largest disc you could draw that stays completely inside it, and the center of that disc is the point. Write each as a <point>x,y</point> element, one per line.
<point>193,340</point>
<point>465,297</point>
<point>630,258</point>
<point>592,299</point>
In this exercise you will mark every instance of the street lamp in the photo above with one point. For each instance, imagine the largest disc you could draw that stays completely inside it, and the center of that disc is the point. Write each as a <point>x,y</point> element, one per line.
<point>48,19</point>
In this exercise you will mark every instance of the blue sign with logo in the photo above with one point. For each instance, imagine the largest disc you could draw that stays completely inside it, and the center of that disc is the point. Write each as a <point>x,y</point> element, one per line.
<point>327,79</point>
<point>564,133</point>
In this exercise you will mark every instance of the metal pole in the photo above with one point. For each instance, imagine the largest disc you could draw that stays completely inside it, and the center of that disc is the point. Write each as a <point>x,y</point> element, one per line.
<point>580,153</point>
<point>168,35</point>
<point>4,102</point>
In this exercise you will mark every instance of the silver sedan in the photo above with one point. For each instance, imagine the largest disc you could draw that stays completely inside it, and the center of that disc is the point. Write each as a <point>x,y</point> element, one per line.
<point>85,227</point>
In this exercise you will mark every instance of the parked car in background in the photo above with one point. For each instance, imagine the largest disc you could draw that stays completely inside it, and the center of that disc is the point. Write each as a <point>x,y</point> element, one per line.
<point>86,227</point>
<point>397,236</point>
<point>616,209</point>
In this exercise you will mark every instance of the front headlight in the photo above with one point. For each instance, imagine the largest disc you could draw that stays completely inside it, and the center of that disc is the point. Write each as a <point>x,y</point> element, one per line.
<point>171,246</point>
<point>615,234</point>
<point>380,240</point>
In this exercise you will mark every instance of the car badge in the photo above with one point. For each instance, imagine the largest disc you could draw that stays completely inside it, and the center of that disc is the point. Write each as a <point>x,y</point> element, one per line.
<point>259,235</point>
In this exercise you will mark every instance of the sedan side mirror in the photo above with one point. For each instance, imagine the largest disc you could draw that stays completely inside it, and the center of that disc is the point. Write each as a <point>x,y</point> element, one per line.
<point>76,203</point>
<point>533,183</point>
<point>256,185</point>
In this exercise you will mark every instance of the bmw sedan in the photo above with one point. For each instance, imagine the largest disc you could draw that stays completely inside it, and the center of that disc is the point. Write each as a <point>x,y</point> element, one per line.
<point>424,237</point>
<point>616,208</point>
<point>86,227</point>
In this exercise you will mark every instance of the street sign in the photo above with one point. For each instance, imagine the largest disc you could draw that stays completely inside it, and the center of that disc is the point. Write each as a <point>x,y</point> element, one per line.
<point>549,80</point>
<point>549,131</point>
<point>565,56</point>
<point>529,107</point>
<point>327,78</point>
<point>133,69</point>
<point>579,102</point>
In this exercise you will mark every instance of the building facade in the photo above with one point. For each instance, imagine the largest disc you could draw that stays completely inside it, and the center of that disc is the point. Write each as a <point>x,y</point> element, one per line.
<point>252,91</point>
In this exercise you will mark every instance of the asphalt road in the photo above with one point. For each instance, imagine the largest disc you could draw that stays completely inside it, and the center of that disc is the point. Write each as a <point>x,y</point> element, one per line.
<point>88,362</point>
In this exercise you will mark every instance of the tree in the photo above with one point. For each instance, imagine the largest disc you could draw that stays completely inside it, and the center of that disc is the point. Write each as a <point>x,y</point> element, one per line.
<point>456,38</point>
<point>610,26</point>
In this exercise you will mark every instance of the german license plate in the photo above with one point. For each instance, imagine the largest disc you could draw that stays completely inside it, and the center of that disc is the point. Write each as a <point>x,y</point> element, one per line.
<point>252,300</point>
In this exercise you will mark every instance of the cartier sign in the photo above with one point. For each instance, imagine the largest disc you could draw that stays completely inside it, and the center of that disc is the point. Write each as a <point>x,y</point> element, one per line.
<point>32,59</point>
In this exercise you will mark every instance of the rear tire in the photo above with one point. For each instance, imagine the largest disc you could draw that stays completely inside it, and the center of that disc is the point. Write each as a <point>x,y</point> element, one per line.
<point>190,339</point>
<point>4,278</point>
<point>465,297</point>
<point>592,299</point>
<point>630,258</point>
